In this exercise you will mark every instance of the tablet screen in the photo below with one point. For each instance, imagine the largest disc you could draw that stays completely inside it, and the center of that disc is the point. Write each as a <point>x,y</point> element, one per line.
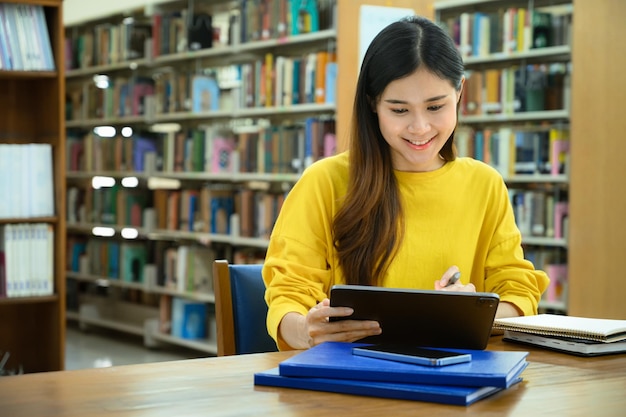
<point>421,317</point>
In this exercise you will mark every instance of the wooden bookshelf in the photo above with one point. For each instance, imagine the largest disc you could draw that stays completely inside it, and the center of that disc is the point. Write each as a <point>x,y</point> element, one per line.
<point>32,328</point>
<point>598,202</point>
<point>277,121</point>
<point>519,141</point>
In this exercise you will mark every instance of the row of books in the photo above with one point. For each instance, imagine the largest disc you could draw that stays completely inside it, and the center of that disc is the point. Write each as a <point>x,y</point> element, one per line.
<point>275,81</point>
<point>266,19</point>
<point>553,261</point>
<point>104,44</point>
<point>91,152</point>
<point>513,151</point>
<point>166,32</point>
<point>540,213</point>
<point>24,38</point>
<point>282,81</point>
<point>508,30</point>
<point>127,261</point>
<point>26,260</point>
<point>26,176</point>
<point>184,268</point>
<point>239,212</point>
<point>245,213</point>
<point>516,89</point>
<point>259,148</point>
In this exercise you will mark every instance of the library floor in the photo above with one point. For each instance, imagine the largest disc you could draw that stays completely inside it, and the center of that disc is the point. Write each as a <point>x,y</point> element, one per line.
<point>98,348</point>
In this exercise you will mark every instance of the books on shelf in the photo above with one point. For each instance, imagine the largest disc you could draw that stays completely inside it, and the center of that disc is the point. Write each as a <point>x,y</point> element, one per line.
<point>26,175</point>
<point>189,319</point>
<point>509,30</point>
<point>24,38</point>
<point>517,151</point>
<point>593,329</point>
<point>332,367</point>
<point>26,260</point>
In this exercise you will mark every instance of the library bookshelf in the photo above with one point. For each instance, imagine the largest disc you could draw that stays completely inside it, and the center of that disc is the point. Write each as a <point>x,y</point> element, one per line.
<point>515,115</point>
<point>242,247</point>
<point>208,177</point>
<point>32,324</point>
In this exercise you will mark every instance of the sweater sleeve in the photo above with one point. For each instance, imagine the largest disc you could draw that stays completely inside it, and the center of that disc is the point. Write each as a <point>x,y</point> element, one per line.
<point>297,269</point>
<point>507,273</point>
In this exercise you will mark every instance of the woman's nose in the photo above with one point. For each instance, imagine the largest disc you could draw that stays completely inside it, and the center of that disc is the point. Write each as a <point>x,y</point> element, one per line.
<point>418,125</point>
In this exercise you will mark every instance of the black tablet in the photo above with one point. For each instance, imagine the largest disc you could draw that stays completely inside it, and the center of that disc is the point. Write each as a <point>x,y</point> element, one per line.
<point>421,317</point>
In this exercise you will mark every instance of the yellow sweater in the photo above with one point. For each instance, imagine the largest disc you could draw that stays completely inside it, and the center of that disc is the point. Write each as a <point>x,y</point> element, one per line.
<point>458,215</point>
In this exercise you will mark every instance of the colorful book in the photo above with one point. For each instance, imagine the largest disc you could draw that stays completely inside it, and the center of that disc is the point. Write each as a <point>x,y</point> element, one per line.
<point>133,258</point>
<point>205,94</point>
<point>444,394</point>
<point>335,360</point>
<point>189,319</point>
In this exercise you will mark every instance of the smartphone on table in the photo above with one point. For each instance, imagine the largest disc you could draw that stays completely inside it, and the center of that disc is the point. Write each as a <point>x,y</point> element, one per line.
<point>415,355</point>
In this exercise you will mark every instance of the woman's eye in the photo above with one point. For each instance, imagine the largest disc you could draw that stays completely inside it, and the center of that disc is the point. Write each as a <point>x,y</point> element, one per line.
<point>399,111</point>
<point>435,108</point>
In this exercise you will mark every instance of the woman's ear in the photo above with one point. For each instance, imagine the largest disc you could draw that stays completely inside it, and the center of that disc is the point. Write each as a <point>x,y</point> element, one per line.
<point>459,91</point>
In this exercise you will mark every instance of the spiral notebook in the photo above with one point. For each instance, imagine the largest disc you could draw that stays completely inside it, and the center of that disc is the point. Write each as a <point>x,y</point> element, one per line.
<point>579,347</point>
<point>584,328</point>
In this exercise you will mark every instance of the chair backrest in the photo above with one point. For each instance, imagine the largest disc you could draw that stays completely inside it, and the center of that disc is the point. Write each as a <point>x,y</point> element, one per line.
<point>240,309</point>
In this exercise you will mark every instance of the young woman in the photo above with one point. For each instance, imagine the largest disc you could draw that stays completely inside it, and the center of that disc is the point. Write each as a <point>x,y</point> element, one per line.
<point>398,209</point>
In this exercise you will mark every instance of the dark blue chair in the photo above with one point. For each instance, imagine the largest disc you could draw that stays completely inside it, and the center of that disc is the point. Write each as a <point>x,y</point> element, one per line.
<point>240,309</point>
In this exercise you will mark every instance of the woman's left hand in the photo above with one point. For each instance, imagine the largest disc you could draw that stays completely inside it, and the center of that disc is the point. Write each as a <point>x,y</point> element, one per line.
<point>442,284</point>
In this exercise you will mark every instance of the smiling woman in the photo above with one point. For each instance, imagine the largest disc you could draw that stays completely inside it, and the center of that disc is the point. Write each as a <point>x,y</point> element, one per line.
<point>398,209</point>
<point>417,115</point>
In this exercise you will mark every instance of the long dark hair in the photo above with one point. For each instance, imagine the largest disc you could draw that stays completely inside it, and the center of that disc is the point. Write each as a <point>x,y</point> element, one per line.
<point>369,225</point>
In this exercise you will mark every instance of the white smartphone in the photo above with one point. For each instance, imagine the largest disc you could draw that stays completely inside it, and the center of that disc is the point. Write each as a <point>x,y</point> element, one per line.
<point>415,355</point>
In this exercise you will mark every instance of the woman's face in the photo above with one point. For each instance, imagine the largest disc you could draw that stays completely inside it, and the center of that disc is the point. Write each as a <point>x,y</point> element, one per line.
<point>417,115</point>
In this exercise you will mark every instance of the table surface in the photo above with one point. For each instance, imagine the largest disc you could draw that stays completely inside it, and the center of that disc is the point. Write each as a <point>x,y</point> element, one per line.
<point>555,384</point>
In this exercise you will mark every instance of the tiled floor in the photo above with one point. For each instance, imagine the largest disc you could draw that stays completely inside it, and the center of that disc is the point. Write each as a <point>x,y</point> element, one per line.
<point>99,348</point>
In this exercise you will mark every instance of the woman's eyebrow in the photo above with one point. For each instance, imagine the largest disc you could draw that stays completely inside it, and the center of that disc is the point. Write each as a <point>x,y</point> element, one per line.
<point>428,100</point>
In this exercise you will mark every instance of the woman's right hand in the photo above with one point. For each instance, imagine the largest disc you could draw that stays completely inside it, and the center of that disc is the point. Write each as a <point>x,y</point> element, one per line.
<point>303,332</point>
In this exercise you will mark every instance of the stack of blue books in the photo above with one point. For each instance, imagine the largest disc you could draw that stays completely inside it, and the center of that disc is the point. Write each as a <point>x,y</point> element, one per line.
<point>332,367</point>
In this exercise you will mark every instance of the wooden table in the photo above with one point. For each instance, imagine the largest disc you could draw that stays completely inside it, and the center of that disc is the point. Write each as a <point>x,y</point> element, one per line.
<point>554,384</point>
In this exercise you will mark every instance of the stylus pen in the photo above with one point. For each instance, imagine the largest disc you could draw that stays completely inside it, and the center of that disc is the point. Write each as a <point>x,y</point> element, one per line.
<point>453,279</point>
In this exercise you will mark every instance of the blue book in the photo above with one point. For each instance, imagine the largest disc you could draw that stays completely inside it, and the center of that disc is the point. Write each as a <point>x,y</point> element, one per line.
<point>444,394</point>
<point>331,82</point>
<point>335,360</point>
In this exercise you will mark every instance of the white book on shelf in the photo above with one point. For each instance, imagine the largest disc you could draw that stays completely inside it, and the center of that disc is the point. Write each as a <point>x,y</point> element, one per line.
<point>41,183</point>
<point>21,260</point>
<point>7,238</point>
<point>32,37</point>
<point>31,259</point>
<point>44,36</point>
<point>13,169</point>
<point>181,268</point>
<point>279,75</point>
<point>48,283</point>
<point>22,34</point>
<point>5,203</point>
<point>12,36</point>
